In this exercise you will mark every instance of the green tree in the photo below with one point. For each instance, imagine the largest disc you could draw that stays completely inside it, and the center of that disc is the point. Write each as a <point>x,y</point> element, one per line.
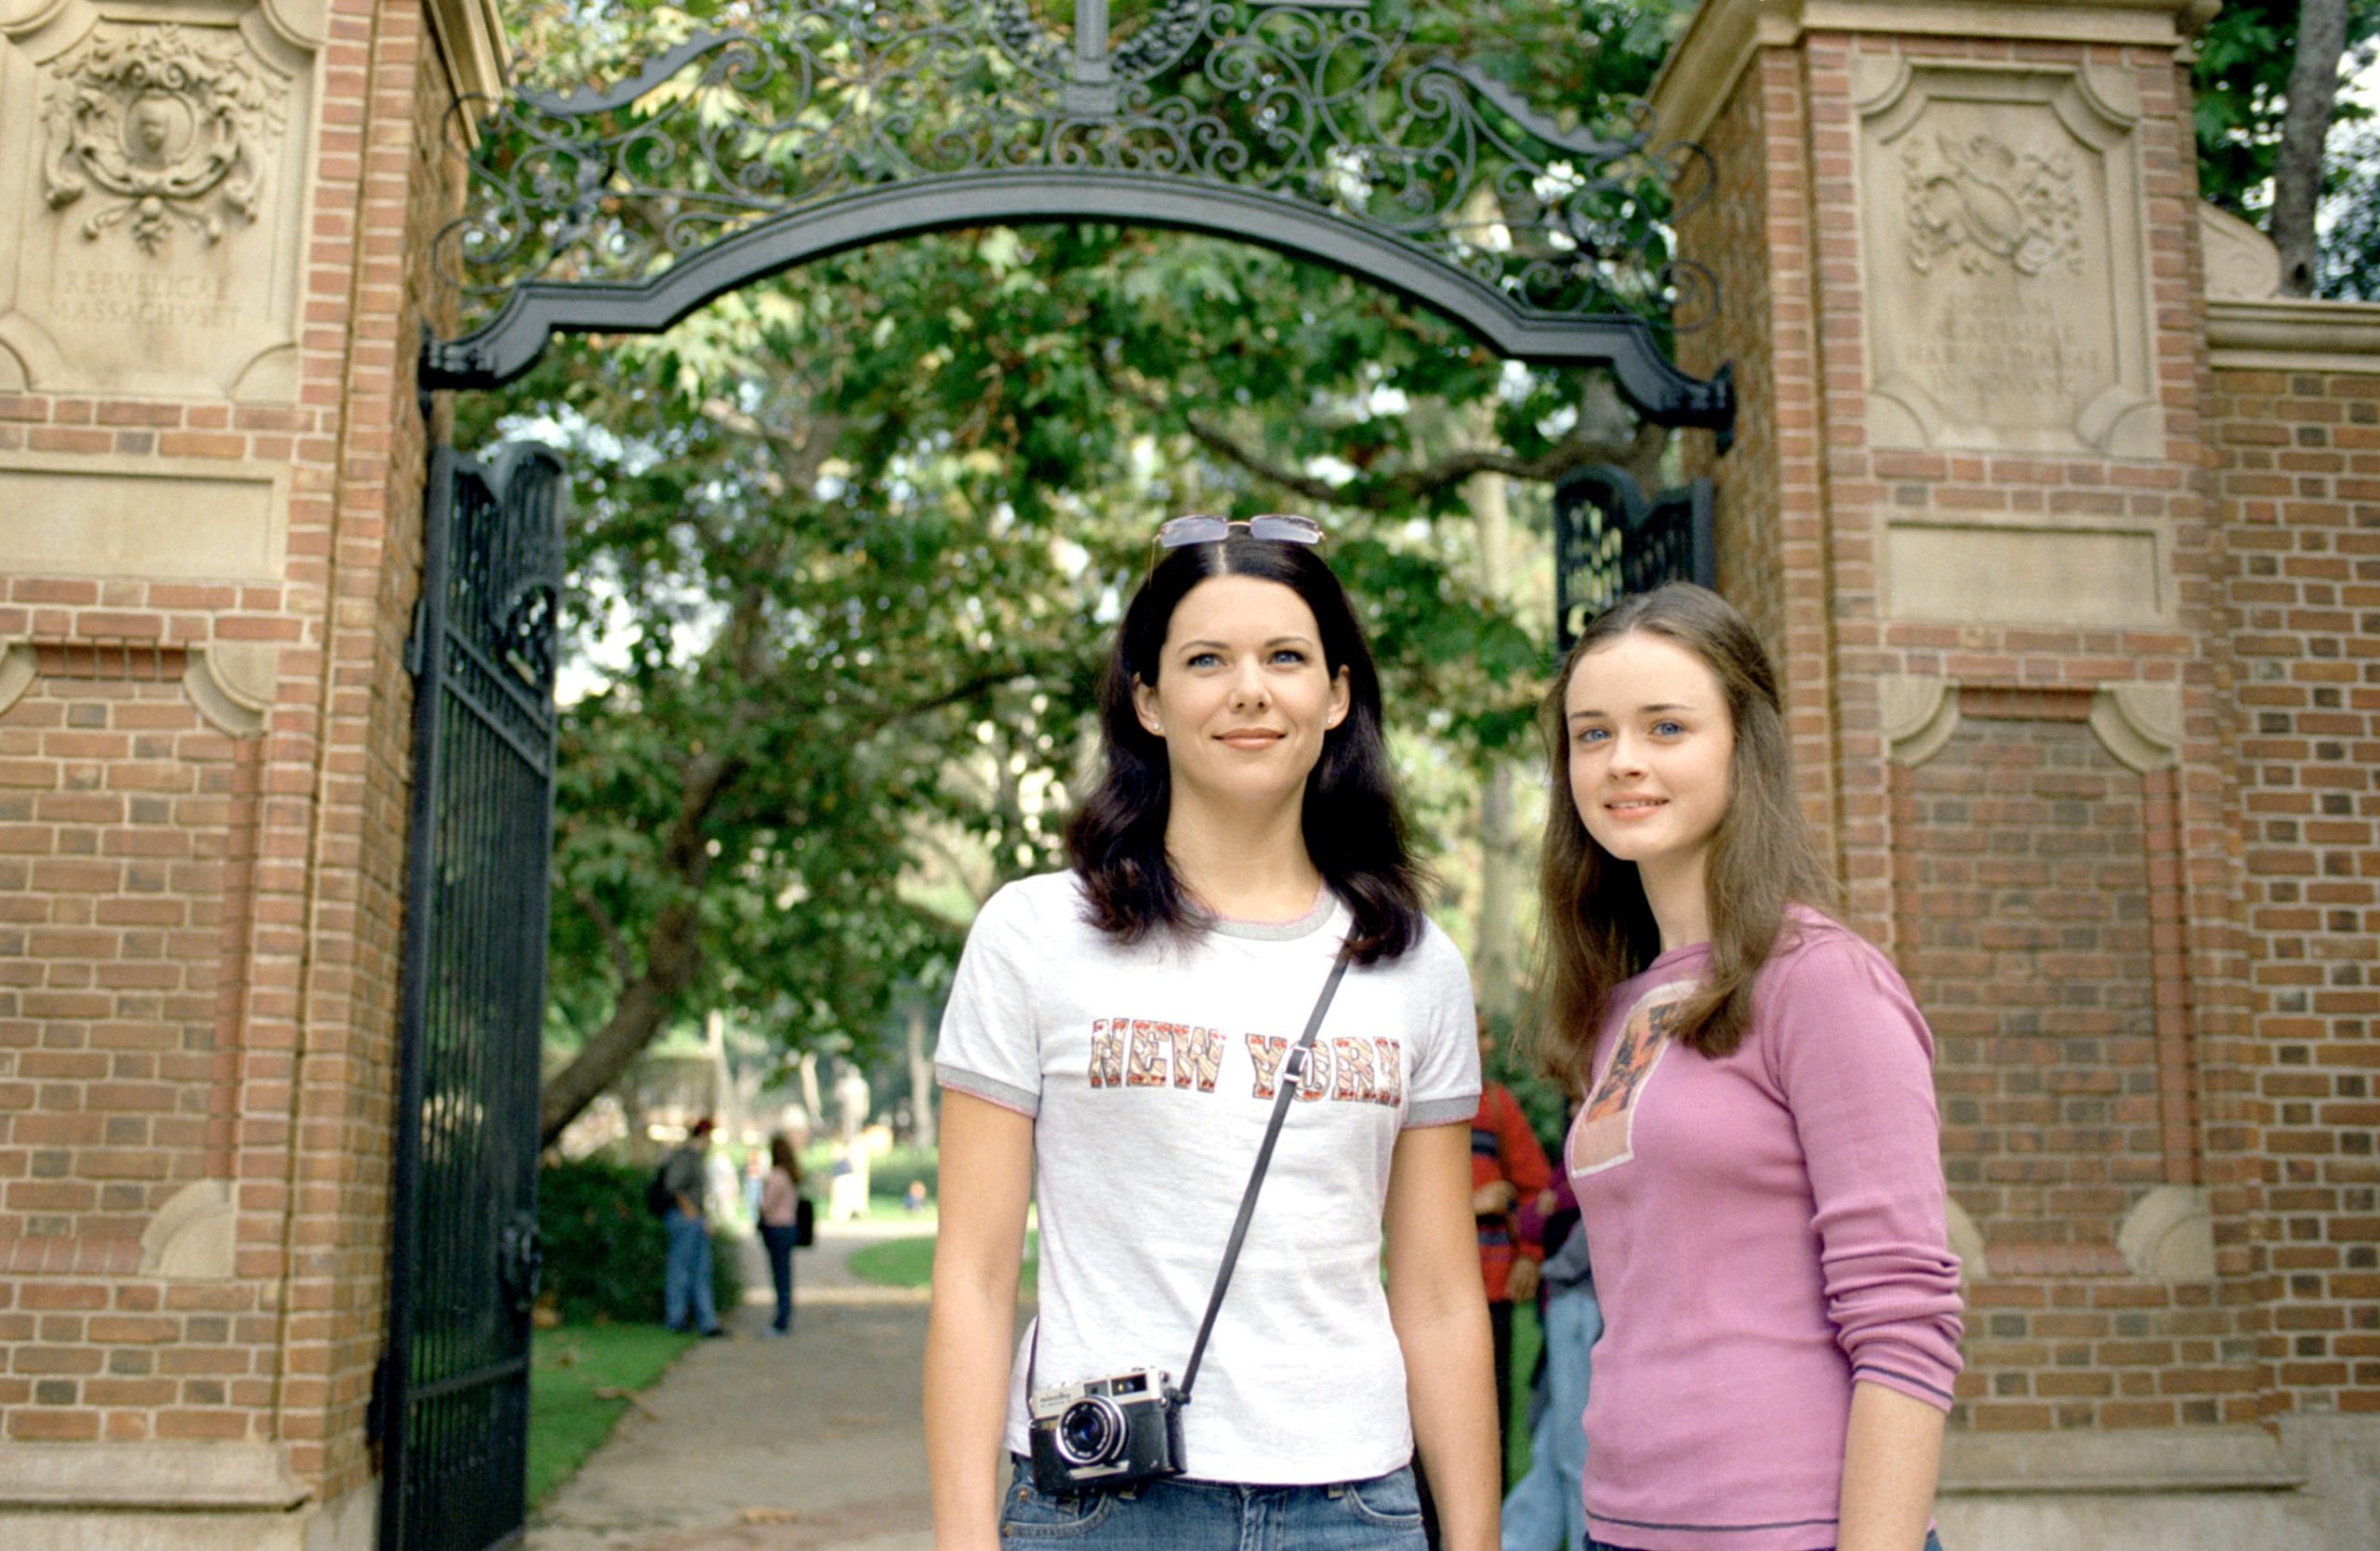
<point>847,542</point>
<point>2351,248</point>
<point>2273,161</point>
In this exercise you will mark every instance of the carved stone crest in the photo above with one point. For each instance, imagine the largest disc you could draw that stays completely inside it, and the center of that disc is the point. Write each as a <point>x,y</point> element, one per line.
<point>174,127</point>
<point>1987,205</point>
<point>2004,240</point>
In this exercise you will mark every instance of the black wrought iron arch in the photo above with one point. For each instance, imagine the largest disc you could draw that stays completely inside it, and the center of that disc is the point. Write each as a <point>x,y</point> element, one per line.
<point>510,343</point>
<point>1298,126</point>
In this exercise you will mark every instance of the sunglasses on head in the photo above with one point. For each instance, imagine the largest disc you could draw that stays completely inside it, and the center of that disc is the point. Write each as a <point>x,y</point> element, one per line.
<point>1277,528</point>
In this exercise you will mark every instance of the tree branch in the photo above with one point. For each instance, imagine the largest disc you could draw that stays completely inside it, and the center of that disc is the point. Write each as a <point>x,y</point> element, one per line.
<point>1581,448</point>
<point>614,943</point>
<point>2297,167</point>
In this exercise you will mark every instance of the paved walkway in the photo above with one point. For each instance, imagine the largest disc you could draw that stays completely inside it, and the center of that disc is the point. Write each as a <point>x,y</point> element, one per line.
<point>754,1444</point>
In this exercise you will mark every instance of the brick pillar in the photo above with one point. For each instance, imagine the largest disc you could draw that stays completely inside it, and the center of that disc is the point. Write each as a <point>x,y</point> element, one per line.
<point>1958,251</point>
<point>210,473</point>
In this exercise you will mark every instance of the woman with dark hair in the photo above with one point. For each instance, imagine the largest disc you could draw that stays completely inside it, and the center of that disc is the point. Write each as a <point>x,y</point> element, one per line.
<point>780,1215</point>
<point>1758,1159</point>
<point>1114,1044</point>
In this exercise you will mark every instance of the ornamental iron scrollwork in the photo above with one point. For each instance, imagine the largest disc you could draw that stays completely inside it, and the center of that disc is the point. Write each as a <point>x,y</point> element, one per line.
<point>1610,540</point>
<point>1311,127</point>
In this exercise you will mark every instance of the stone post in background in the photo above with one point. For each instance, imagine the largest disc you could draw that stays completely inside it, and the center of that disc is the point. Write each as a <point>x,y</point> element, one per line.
<point>1959,248</point>
<point>214,227</point>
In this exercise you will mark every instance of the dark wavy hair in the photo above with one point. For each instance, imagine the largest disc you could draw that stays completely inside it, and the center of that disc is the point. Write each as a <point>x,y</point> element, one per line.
<point>1596,929</point>
<point>1354,829</point>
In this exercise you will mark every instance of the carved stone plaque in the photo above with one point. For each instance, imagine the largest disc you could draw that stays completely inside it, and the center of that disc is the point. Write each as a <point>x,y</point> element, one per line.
<point>2005,258</point>
<point>152,190</point>
<point>147,517</point>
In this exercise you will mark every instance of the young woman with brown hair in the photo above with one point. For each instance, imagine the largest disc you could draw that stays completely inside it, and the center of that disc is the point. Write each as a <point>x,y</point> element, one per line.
<point>1757,1159</point>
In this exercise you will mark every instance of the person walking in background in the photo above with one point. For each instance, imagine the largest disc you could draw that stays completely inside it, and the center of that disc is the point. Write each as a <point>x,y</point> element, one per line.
<point>1544,1510</point>
<point>1508,1170</point>
<point>1118,1040</point>
<point>685,1178</point>
<point>780,1210</point>
<point>756,1181</point>
<point>1758,1156</point>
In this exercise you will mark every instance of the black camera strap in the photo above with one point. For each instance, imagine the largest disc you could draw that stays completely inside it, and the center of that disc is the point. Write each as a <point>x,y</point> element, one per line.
<point>1295,1064</point>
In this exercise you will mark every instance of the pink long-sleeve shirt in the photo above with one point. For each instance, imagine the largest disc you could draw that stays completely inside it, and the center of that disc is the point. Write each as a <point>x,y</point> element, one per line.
<point>1766,1230</point>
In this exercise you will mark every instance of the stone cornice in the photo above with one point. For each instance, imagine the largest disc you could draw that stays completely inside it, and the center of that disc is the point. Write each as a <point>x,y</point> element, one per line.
<point>471,40</point>
<point>1702,70</point>
<point>2294,334</point>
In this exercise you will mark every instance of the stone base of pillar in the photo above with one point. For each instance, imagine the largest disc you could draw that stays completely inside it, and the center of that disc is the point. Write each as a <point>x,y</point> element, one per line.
<point>2317,1486</point>
<point>172,1497</point>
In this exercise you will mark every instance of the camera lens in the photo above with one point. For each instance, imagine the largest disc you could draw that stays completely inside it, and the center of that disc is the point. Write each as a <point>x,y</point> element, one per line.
<point>1090,1431</point>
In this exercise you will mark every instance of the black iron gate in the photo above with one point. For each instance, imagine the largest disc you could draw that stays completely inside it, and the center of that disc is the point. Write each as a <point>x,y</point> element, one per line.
<point>453,1392</point>
<point>1311,127</point>
<point>1609,539</point>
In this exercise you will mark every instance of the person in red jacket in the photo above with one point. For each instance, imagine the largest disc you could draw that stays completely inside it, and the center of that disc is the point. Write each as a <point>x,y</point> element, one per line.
<point>1508,1168</point>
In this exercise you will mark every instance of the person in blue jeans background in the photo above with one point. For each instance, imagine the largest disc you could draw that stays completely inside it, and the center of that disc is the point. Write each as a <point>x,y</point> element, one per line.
<point>685,1291</point>
<point>779,1212</point>
<point>1545,1510</point>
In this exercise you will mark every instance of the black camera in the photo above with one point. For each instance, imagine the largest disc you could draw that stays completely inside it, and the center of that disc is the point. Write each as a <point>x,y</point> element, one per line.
<point>1102,1434</point>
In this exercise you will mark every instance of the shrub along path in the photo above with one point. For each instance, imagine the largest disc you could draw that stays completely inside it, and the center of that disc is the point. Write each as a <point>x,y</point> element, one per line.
<point>754,1444</point>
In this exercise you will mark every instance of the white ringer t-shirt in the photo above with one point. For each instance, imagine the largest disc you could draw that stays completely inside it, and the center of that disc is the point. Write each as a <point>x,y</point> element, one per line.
<point>1149,1071</point>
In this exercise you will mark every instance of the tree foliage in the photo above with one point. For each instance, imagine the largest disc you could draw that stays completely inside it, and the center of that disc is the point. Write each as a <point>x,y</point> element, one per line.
<point>2241,80</point>
<point>846,545</point>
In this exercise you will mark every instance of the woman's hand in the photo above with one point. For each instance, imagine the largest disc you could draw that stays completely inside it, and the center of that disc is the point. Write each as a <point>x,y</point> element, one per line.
<point>1439,1308</point>
<point>987,1178</point>
<point>1493,1198</point>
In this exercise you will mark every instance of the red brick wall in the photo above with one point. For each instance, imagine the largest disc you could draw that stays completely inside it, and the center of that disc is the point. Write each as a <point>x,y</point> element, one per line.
<point>125,827</point>
<point>2297,463</point>
<point>245,1032</point>
<point>410,187</point>
<point>1754,236</point>
<point>2045,1159</point>
<point>92,1349</point>
<point>2038,917</point>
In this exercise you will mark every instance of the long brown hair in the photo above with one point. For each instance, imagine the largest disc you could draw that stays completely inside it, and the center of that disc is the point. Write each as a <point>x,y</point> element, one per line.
<point>1354,825</point>
<point>1597,928</point>
<point>782,1155</point>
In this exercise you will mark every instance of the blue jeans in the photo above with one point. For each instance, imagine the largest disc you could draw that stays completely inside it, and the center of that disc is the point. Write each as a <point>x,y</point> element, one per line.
<point>1546,1510</point>
<point>778,1241</point>
<point>1383,1514</point>
<point>1933,1542</point>
<point>688,1279</point>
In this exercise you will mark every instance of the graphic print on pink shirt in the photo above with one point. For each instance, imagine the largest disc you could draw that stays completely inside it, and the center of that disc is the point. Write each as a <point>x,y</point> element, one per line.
<point>1604,1135</point>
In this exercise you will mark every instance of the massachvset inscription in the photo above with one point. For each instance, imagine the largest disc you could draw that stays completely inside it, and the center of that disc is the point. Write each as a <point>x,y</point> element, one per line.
<point>2004,243</point>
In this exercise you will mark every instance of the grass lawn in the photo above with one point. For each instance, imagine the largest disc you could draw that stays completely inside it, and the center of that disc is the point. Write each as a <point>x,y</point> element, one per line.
<point>567,1419</point>
<point>909,1263</point>
<point>1527,1340</point>
<point>889,1209</point>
